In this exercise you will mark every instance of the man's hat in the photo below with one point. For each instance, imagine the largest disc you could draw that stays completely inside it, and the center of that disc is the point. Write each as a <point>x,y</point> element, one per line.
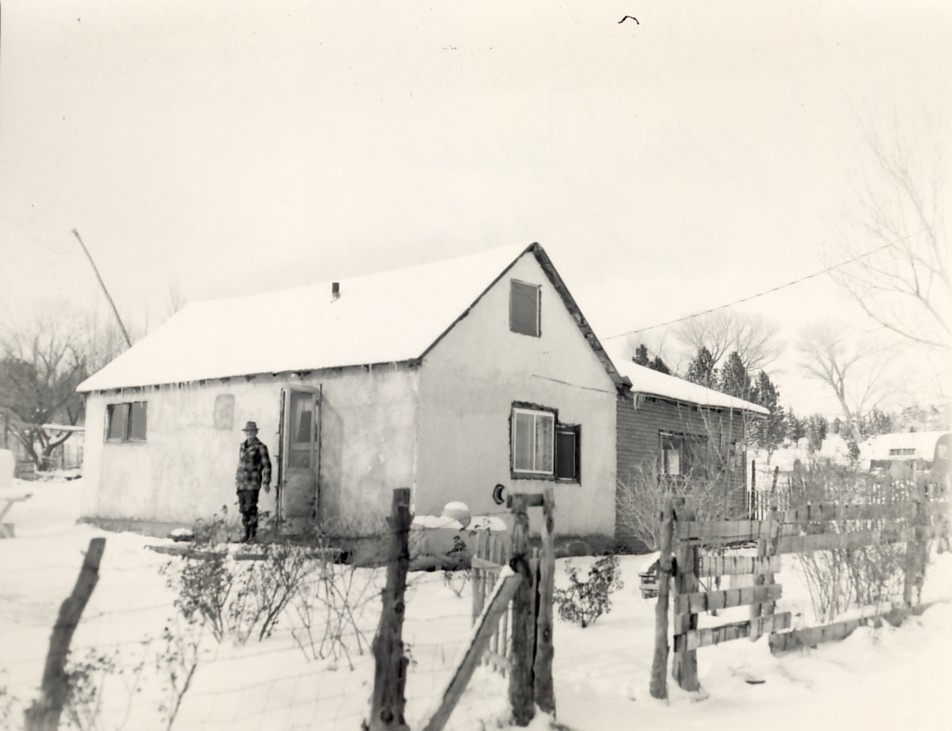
<point>250,426</point>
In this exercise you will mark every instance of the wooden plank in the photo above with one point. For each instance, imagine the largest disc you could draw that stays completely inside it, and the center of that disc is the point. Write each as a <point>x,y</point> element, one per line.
<point>485,565</point>
<point>521,691</point>
<point>705,601</point>
<point>545,650</point>
<point>684,664</point>
<point>854,539</point>
<point>738,565</point>
<point>388,697</point>
<point>822,512</point>
<point>733,631</point>
<point>497,605</point>
<point>44,713</point>
<point>659,664</point>
<point>739,530</point>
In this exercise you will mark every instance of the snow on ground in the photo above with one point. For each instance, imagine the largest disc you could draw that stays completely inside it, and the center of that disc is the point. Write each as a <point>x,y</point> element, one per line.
<point>875,679</point>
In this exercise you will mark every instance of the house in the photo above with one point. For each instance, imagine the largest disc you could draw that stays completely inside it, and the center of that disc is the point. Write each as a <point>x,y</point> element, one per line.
<point>449,378</point>
<point>671,430</point>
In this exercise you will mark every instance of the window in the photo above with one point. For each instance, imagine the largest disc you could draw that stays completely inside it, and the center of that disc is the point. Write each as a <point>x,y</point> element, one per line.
<point>301,425</point>
<point>542,447</point>
<point>524,308</point>
<point>532,441</point>
<point>902,452</point>
<point>684,454</point>
<point>126,422</point>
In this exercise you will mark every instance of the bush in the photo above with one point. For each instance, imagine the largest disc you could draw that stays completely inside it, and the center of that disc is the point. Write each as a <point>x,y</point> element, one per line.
<point>244,602</point>
<point>585,601</point>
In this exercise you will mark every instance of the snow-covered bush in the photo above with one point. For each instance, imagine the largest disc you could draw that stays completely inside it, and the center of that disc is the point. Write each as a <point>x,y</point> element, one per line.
<point>585,601</point>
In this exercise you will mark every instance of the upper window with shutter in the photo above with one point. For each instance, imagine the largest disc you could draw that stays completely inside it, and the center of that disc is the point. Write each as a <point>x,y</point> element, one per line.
<point>524,299</point>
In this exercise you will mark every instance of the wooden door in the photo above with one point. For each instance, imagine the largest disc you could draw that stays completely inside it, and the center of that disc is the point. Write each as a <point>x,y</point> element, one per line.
<point>299,499</point>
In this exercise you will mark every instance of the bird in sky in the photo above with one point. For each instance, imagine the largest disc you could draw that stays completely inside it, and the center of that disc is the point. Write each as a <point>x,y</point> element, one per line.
<point>627,17</point>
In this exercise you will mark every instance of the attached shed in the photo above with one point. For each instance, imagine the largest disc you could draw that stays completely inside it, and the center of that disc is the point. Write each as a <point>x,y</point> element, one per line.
<point>449,378</point>
<point>676,432</point>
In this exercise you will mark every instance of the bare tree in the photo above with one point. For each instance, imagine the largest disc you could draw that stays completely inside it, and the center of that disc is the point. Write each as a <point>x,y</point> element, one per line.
<point>41,364</point>
<point>904,285</point>
<point>753,337</point>
<point>856,370</point>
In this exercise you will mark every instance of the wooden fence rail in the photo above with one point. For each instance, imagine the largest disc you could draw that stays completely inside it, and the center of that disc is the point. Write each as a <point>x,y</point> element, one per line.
<point>697,550</point>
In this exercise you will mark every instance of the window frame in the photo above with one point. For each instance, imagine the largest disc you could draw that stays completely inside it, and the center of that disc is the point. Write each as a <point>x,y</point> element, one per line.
<point>536,413</point>
<point>129,425</point>
<point>688,461</point>
<point>514,284</point>
<point>557,428</point>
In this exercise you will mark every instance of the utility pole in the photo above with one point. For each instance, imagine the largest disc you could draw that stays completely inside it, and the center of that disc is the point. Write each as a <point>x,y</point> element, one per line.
<point>103,285</point>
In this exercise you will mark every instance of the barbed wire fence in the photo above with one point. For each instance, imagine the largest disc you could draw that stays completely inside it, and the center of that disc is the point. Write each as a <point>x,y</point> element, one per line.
<point>144,665</point>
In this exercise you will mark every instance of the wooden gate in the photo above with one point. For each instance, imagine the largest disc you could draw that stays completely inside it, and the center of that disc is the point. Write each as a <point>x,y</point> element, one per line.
<point>513,589</point>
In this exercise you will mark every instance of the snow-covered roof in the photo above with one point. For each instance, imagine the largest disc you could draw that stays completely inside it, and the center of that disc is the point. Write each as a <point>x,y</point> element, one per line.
<point>387,317</point>
<point>650,382</point>
<point>880,446</point>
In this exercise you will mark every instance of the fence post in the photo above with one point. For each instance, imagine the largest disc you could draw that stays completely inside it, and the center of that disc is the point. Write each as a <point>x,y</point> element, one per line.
<point>390,671</point>
<point>44,713</point>
<point>544,687</point>
<point>521,690</point>
<point>915,558</point>
<point>765,547</point>
<point>659,666</point>
<point>684,667</point>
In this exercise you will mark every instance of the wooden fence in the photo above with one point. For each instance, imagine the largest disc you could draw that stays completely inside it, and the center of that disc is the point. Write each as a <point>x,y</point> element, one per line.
<point>692,550</point>
<point>513,589</point>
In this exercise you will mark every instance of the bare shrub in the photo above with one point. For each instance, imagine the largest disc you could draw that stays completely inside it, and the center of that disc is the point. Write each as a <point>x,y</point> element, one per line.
<point>640,498</point>
<point>177,662</point>
<point>8,707</point>
<point>86,678</point>
<point>863,576</point>
<point>329,607</point>
<point>243,603</point>
<point>264,589</point>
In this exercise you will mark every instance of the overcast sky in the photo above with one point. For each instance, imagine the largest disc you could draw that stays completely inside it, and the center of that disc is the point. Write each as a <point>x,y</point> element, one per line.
<point>228,147</point>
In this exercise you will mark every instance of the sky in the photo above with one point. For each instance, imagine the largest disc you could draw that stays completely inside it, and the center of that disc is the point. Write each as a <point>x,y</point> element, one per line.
<point>707,153</point>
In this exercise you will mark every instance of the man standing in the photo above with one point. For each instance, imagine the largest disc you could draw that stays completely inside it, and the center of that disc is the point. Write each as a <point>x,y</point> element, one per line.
<point>254,469</point>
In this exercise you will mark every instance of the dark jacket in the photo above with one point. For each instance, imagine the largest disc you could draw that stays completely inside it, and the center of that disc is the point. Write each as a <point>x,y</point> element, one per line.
<point>254,465</point>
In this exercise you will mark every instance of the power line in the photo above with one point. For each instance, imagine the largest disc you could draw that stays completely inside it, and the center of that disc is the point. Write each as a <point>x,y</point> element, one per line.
<point>751,297</point>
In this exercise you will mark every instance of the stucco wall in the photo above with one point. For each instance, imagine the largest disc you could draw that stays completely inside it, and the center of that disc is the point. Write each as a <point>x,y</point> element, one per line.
<point>468,384</point>
<point>185,468</point>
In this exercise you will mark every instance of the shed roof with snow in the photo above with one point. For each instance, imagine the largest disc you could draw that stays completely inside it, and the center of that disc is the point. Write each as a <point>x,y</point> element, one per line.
<point>388,317</point>
<point>650,382</point>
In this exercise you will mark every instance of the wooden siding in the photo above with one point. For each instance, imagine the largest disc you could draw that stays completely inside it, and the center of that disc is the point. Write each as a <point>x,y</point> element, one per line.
<point>639,442</point>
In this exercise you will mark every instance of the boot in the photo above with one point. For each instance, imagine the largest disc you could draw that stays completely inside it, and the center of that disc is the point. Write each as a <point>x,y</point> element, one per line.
<point>248,534</point>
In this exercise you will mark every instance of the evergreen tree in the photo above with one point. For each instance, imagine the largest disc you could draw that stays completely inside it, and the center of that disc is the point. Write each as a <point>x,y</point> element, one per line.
<point>796,429</point>
<point>641,355</point>
<point>659,365</point>
<point>767,431</point>
<point>877,422</point>
<point>734,378</point>
<point>702,370</point>
<point>817,427</point>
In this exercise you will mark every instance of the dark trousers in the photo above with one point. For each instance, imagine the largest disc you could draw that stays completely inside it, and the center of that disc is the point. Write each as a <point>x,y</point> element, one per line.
<point>248,507</point>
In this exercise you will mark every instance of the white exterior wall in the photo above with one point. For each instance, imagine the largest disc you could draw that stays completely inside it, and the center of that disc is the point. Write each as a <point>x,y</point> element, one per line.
<point>468,384</point>
<point>185,469</point>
